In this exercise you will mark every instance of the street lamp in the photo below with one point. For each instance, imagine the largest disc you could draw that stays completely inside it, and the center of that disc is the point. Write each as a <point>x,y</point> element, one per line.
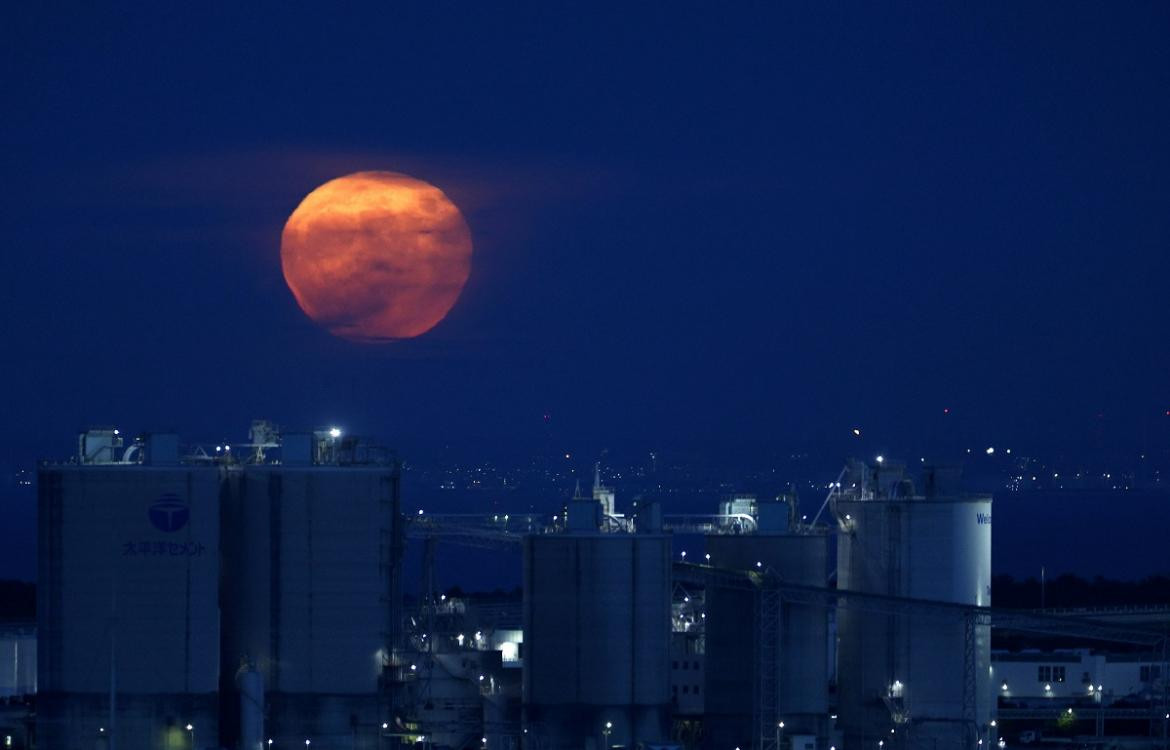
<point>606,731</point>
<point>191,731</point>
<point>779,730</point>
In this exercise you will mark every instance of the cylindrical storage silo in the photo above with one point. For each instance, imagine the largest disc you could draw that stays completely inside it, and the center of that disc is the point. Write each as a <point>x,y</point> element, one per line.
<point>801,631</point>
<point>305,598</point>
<point>127,604</point>
<point>596,638</point>
<point>923,674</point>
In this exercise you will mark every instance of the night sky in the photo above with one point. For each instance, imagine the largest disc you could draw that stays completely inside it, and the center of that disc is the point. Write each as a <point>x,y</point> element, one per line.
<point>720,226</point>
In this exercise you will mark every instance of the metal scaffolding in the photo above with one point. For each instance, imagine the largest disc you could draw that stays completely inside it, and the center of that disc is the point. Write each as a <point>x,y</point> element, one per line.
<point>768,606</point>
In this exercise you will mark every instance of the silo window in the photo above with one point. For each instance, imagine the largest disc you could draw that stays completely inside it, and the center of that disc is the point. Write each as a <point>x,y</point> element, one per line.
<point>686,689</point>
<point>1058,674</point>
<point>1044,674</point>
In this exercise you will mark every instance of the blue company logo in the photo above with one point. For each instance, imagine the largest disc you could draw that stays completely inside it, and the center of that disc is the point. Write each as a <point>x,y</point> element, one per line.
<point>169,513</point>
<point>983,518</point>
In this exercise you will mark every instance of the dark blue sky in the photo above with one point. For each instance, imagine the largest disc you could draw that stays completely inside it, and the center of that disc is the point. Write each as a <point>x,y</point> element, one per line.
<point>716,224</point>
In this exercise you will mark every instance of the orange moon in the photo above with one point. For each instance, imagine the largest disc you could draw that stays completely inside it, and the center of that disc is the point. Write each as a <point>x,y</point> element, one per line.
<point>376,256</point>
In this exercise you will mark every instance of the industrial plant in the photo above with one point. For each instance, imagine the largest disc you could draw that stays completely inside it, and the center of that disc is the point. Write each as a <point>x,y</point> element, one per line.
<point>249,596</point>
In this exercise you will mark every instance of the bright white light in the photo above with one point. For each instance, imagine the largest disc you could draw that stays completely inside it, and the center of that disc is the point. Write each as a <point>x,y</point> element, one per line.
<point>708,556</point>
<point>781,725</point>
<point>609,725</point>
<point>1047,688</point>
<point>759,564</point>
<point>420,511</point>
<point>684,553</point>
<point>1100,688</point>
<point>1003,686</point>
<point>880,459</point>
<point>990,451</point>
<point>116,433</point>
<point>993,723</point>
<point>481,678</point>
<point>413,667</point>
<point>857,432</point>
<point>385,725</point>
<point>334,432</point>
<point>189,727</point>
<point>848,517</point>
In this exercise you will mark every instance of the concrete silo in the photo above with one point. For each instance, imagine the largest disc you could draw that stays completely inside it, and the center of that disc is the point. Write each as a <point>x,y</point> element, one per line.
<point>800,633</point>
<point>596,635</point>
<point>921,678</point>
<point>127,611</point>
<point>307,590</point>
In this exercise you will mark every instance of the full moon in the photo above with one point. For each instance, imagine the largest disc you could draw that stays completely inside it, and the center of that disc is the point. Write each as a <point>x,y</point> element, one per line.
<point>376,256</point>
